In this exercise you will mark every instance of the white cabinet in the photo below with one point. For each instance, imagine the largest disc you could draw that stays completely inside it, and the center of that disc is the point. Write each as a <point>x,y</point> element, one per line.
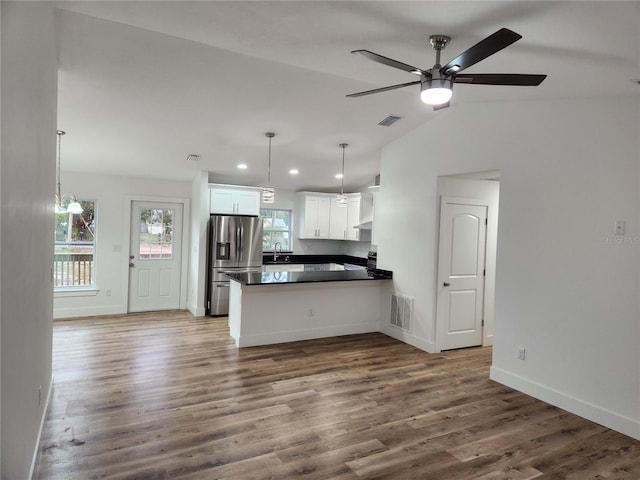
<point>314,214</point>
<point>230,200</point>
<point>353,217</point>
<point>337,221</point>
<point>344,219</point>
<point>320,217</point>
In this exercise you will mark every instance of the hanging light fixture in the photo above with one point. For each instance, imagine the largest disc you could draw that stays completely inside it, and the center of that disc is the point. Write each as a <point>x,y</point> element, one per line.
<point>268,192</point>
<point>74,206</point>
<point>342,198</point>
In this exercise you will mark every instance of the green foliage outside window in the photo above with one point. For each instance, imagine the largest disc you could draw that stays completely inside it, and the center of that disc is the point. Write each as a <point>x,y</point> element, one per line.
<point>276,228</point>
<point>74,247</point>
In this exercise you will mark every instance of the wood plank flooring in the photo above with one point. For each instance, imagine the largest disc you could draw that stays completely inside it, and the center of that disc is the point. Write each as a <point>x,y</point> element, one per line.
<point>168,396</point>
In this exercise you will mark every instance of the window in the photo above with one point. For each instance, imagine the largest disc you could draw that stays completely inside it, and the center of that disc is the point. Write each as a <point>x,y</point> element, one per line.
<point>74,247</point>
<point>276,228</point>
<point>156,234</point>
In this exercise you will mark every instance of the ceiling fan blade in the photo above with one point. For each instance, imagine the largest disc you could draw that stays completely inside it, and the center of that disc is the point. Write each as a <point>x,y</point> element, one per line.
<point>383,89</point>
<point>388,61</point>
<point>516,79</point>
<point>481,50</point>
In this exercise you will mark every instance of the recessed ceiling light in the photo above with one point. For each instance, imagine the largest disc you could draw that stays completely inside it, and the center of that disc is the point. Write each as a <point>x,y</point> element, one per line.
<point>293,171</point>
<point>242,166</point>
<point>339,175</point>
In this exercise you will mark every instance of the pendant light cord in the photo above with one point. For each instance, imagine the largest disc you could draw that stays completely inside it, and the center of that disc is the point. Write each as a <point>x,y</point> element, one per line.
<point>270,135</point>
<point>59,133</point>
<point>343,146</point>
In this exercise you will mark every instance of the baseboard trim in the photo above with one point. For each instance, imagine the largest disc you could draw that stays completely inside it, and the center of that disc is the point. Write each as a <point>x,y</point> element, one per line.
<point>196,311</point>
<point>73,312</point>
<point>36,449</point>
<point>299,335</point>
<point>408,338</point>
<point>619,423</point>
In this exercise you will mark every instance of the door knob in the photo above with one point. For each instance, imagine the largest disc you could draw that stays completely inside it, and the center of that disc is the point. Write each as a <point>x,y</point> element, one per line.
<point>446,284</point>
<point>131,264</point>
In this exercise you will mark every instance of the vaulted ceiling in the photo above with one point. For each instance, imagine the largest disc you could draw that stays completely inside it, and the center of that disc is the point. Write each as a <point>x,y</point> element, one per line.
<point>144,84</point>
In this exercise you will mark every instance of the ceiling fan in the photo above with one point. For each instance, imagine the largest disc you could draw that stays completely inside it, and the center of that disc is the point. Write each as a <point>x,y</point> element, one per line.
<point>436,83</point>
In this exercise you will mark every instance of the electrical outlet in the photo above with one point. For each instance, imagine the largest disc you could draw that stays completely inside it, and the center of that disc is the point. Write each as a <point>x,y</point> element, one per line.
<point>522,353</point>
<point>310,312</point>
<point>107,292</point>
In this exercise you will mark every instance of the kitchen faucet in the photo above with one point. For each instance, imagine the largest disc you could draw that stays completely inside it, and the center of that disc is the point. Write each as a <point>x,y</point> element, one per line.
<point>275,250</point>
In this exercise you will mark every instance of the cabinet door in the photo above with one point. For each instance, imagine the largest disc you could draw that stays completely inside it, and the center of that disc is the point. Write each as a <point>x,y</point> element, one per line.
<point>222,200</point>
<point>310,217</point>
<point>353,218</point>
<point>323,216</point>
<point>338,221</point>
<point>247,202</point>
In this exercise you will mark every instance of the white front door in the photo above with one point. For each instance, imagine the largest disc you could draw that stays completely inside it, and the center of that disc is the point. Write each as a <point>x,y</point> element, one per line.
<point>461,265</point>
<point>155,256</point>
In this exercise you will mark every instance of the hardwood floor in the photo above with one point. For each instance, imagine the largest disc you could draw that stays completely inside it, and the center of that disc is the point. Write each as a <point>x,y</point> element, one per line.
<point>168,396</point>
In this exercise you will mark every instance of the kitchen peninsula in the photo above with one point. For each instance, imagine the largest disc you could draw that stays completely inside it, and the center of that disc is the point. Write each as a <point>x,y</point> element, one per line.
<point>276,307</point>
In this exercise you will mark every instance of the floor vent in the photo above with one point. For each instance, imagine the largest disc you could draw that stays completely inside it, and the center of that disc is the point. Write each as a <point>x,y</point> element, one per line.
<point>401,311</point>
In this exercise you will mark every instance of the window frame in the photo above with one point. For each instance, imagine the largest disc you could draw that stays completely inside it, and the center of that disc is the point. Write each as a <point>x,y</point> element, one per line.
<point>270,230</point>
<point>89,288</point>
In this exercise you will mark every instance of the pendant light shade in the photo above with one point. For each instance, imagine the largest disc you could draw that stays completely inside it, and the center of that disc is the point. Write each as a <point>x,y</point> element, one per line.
<point>268,192</point>
<point>73,206</point>
<point>341,199</point>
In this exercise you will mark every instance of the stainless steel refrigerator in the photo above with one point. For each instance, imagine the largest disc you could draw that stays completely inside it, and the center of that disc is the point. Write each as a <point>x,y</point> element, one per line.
<point>235,245</point>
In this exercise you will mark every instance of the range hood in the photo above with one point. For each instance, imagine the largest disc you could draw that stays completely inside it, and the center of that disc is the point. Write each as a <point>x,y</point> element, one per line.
<point>364,225</point>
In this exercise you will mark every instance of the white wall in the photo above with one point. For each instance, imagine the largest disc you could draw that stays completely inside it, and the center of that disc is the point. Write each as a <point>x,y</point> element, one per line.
<point>564,291</point>
<point>112,195</point>
<point>29,83</point>
<point>198,244</point>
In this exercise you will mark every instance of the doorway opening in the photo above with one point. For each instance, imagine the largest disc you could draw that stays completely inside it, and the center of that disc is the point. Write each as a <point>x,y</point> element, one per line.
<point>466,259</point>
<point>156,267</point>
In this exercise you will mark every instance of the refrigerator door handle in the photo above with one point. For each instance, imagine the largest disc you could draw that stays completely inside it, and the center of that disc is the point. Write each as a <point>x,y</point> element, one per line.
<point>240,244</point>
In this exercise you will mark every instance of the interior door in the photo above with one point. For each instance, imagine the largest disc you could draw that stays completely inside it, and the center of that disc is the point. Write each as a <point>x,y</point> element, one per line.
<point>155,259</point>
<point>461,265</point>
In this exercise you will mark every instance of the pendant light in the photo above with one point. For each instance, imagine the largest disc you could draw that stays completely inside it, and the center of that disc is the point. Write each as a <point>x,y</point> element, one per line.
<point>74,206</point>
<point>341,199</point>
<point>268,192</point>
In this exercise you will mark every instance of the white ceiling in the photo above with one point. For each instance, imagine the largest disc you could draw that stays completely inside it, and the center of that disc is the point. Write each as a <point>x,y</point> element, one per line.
<point>143,84</point>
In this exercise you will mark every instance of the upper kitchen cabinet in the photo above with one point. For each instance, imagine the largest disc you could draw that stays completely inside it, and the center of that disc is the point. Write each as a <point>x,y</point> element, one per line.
<point>320,217</point>
<point>232,200</point>
<point>314,215</point>
<point>337,220</point>
<point>353,216</point>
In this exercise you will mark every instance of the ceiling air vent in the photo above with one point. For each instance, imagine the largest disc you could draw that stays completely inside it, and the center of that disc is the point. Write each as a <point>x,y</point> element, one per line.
<point>390,120</point>
<point>192,157</point>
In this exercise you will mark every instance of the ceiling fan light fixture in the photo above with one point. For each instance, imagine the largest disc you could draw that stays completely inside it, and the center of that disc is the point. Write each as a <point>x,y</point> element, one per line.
<point>436,91</point>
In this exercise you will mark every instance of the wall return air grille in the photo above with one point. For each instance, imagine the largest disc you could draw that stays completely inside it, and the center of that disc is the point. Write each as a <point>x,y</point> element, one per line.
<point>401,311</point>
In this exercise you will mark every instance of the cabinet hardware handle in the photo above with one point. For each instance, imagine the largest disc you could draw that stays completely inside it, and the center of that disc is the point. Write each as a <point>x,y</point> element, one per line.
<point>446,284</point>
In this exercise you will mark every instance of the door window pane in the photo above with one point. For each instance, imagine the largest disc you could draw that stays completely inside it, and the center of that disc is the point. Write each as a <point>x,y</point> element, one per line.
<point>156,234</point>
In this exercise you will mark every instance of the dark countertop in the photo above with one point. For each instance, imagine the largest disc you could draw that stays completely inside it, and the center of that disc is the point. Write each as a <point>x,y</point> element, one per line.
<point>271,278</point>
<point>284,258</point>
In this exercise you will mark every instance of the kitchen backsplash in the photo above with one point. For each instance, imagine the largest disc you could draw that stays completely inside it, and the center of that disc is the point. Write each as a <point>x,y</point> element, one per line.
<point>331,247</point>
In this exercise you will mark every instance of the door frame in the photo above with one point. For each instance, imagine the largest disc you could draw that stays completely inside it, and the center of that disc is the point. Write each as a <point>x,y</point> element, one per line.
<point>487,339</point>
<point>126,243</point>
